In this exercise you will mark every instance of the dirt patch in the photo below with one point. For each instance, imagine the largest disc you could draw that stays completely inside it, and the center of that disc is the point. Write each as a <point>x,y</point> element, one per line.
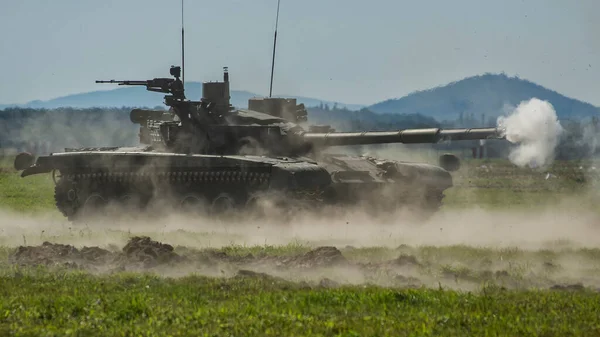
<point>568,287</point>
<point>324,267</point>
<point>328,283</point>
<point>149,253</point>
<point>406,260</point>
<point>139,252</point>
<point>58,254</point>
<point>320,257</point>
<point>143,253</point>
<point>257,275</point>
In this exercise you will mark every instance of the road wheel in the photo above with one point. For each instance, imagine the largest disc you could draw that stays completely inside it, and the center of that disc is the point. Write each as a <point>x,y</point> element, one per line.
<point>193,203</point>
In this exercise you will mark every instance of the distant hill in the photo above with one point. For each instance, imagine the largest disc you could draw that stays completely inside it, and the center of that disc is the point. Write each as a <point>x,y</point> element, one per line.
<point>488,94</point>
<point>140,97</point>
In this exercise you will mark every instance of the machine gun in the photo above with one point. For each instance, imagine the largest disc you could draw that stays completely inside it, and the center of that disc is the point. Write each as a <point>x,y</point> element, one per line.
<point>174,87</point>
<point>193,121</point>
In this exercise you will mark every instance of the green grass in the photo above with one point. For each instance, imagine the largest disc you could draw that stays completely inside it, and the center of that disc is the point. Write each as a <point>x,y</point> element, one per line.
<point>39,303</point>
<point>498,184</point>
<point>34,194</point>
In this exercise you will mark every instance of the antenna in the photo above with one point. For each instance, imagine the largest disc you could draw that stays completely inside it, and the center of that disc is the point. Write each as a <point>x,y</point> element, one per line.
<point>274,44</point>
<point>182,49</point>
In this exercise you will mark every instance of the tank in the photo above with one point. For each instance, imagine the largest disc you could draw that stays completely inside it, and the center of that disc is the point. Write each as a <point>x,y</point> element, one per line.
<point>207,155</point>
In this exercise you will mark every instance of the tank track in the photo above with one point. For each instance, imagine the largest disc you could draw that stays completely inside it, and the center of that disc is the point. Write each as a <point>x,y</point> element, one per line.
<point>73,191</point>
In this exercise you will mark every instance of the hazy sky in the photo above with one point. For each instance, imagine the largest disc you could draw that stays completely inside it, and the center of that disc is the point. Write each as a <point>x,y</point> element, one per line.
<point>346,50</point>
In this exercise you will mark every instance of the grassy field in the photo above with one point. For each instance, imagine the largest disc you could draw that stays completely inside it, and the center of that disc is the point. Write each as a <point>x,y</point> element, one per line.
<point>211,283</point>
<point>132,305</point>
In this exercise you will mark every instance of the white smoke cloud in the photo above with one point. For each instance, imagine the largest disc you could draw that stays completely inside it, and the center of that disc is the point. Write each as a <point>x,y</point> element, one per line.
<point>534,126</point>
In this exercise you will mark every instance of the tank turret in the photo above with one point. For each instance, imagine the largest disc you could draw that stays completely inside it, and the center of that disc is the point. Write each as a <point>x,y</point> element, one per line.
<point>275,126</point>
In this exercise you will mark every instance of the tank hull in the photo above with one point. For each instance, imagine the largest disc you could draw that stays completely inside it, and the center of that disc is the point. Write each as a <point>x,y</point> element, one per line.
<point>141,180</point>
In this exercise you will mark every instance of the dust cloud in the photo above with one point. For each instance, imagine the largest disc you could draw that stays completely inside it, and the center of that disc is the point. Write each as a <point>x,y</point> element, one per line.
<point>537,228</point>
<point>534,126</point>
<point>335,235</point>
<point>43,132</point>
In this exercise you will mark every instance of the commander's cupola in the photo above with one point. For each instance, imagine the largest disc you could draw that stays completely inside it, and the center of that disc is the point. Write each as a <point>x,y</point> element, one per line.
<point>217,95</point>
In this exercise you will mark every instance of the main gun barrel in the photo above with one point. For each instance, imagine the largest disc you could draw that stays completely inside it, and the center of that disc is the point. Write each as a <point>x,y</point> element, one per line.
<point>408,136</point>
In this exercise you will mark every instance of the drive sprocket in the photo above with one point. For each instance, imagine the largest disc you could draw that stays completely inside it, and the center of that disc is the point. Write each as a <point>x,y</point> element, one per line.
<point>65,197</point>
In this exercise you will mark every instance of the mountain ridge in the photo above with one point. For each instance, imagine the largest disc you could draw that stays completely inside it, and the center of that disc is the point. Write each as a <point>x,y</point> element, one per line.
<point>140,97</point>
<point>483,96</point>
<point>488,94</point>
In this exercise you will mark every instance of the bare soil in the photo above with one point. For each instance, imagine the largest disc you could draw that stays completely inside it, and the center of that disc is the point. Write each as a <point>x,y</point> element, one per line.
<point>324,266</point>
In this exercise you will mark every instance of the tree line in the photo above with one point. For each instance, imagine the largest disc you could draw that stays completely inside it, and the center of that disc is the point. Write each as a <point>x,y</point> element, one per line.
<point>49,130</point>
